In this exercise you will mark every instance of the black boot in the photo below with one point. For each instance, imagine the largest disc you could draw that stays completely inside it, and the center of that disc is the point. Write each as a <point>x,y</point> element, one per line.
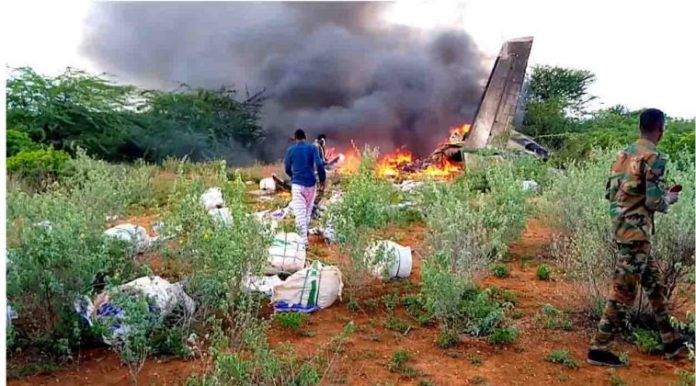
<point>603,358</point>
<point>673,349</point>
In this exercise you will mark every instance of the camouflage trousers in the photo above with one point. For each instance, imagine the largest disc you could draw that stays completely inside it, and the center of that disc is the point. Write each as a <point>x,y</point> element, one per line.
<point>635,265</point>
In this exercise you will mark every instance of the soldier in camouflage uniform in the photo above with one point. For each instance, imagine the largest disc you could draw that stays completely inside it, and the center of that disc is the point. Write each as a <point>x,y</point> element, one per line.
<point>636,191</point>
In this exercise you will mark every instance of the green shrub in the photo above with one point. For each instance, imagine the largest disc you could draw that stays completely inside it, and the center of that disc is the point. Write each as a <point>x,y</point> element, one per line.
<point>19,141</point>
<point>503,335</point>
<point>265,366</point>
<point>398,364</point>
<point>399,358</point>
<point>416,308</point>
<point>447,338</point>
<point>501,270</point>
<point>475,360</point>
<point>501,296</point>
<point>135,344</point>
<point>397,324</point>
<point>562,357</point>
<point>50,266</point>
<point>291,320</point>
<point>554,319</point>
<point>576,206</point>
<point>365,207</point>
<point>686,378</point>
<point>469,231</point>
<point>37,165</point>
<point>543,272</point>
<point>647,341</point>
<point>220,259</point>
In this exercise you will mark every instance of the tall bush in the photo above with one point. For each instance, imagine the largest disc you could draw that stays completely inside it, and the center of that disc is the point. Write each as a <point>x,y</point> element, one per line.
<point>472,222</point>
<point>576,206</point>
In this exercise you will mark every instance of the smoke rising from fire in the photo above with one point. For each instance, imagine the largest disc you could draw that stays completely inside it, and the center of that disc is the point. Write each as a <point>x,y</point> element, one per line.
<point>333,68</point>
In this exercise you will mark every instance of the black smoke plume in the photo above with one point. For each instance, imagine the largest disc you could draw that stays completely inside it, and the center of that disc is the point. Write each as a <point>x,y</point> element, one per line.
<point>333,68</point>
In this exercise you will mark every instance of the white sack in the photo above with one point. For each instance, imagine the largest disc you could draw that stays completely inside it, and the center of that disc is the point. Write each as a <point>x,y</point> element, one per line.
<point>267,184</point>
<point>530,186</point>
<point>165,296</point>
<point>212,198</point>
<point>396,260</point>
<point>308,290</point>
<point>287,252</point>
<point>135,235</point>
<point>263,284</point>
<point>222,216</point>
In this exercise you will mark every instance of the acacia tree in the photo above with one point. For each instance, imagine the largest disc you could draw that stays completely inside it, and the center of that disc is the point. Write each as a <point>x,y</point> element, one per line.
<point>555,98</point>
<point>74,109</point>
<point>123,123</point>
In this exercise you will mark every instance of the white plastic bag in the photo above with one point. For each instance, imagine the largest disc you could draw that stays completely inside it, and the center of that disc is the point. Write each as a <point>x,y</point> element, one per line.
<point>135,235</point>
<point>222,216</point>
<point>212,198</point>
<point>267,184</point>
<point>165,296</point>
<point>395,261</point>
<point>263,284</point>
<point>308,290</point>
<point>287,252</point>
<point>530,186</point>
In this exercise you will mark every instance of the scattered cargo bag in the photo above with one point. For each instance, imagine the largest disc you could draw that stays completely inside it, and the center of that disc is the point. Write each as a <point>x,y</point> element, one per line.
<point>390,260</point>
<point>134,235</point>
<point>267,184</point>
<point>287,252</point>
<point>212,198</point>
<point>262,284</point>
<point>409,186</point>
<point>163,298</point>
<point>308,290</point>
<point>530,186</point>
<point>222,216</point>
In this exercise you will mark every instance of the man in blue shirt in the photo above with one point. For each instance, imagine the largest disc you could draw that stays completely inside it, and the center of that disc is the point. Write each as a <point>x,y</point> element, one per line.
<point>300,161</point>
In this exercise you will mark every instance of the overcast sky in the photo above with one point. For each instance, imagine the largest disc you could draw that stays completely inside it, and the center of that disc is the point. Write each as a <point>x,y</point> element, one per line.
<point>641,51</point>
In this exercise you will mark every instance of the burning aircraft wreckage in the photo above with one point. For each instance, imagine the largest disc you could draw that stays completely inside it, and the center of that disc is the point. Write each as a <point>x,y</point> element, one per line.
<point>492,129</point>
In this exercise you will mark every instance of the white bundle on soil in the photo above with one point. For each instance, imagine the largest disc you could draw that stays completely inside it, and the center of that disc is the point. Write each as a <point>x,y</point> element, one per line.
<point>315,287</point>
<point>287,252</point>
<point>165,298</point>
<point>134,235</point>
<point>221,216</point>
<point>212,198</point>
<point>267,184</point>
<point>389,260</point>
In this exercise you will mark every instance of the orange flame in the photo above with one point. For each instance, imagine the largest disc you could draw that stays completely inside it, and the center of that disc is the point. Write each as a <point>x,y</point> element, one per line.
<point>456,133</point>
<point>392,164</point>
<point>389,165</point>
<point>445,169</point>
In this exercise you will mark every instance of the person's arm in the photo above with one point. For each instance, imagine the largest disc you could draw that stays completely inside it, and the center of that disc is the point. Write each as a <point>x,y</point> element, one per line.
<point>655,183</point>
<point>288,165</point>
<point>320,166</point>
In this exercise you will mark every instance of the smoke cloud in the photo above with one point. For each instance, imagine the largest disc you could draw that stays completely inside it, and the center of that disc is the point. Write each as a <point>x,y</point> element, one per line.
<point>333,68</point>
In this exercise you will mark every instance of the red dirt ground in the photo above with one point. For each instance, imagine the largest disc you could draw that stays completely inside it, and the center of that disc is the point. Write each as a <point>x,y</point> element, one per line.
<point>368,351</point>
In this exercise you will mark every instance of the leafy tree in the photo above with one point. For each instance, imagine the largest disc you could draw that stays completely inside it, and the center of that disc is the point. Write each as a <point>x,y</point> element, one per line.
<point>555,98</point>
<point>69,110</point>
<point>202,124</point>
<point>124,123</point>
<point>18,141</point>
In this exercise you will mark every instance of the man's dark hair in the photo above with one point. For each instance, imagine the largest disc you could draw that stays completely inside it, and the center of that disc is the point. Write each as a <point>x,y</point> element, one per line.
<point>300,134</point>
<point>651,120</point>
<point>322,136</point>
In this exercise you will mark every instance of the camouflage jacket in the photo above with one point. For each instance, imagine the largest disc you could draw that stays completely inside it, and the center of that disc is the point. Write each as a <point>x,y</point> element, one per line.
<point>635,191</point>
